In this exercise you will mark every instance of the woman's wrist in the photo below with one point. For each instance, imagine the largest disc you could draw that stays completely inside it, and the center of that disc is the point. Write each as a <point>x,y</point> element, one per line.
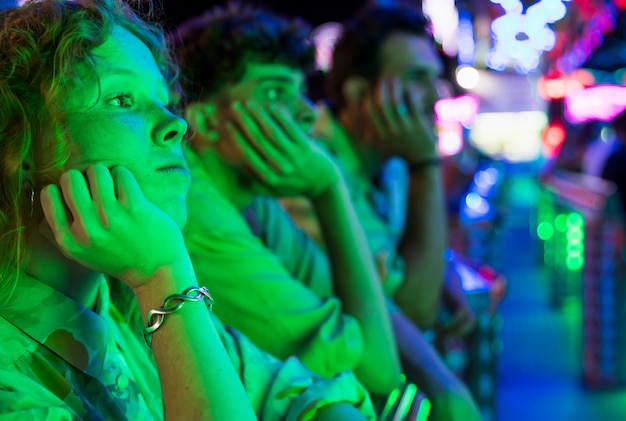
<point>166,280</point>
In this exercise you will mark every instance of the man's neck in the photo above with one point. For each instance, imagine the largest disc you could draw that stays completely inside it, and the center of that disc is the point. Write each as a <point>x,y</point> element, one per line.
<point>226,179</point>
<point>353,153</point>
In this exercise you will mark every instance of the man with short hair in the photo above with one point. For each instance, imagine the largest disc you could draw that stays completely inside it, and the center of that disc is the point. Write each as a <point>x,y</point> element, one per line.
<point>244,71</point>
<point>382,89</point>
<point>379,123</point>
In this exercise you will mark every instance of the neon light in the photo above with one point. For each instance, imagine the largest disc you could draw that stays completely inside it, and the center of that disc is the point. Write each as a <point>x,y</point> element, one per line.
<point>553,137</point>
<point>445,20</point>
<point>463,109</point>
<point>485,180</point>
<point>545,231</point>
<point>592,36</point>
<point>620,4</point>
<point>557,88</point>
<point>467,76</point>
<point>560,223</point>
<point>450,138</point>
<point>575,236</point>
<point>451,113</point>
<point>465,39</point>
<point>521,38</point>
<point>602,102</point>
<point>511,136</point>
<point>476,203</point>
<point>424,410</point>
<point>405,402</point>
<point>324,37</point>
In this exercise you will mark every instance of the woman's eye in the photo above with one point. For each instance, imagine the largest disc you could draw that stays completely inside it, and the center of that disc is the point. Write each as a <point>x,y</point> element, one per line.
<point>121,101</point>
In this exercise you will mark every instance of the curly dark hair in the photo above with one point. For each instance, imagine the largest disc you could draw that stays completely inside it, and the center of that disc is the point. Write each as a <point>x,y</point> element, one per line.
<point>356,52</point>
<point>213,47</point>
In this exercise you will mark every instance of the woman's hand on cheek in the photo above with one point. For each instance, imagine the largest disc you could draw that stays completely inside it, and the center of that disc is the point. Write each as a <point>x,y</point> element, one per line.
<point>102,220</point>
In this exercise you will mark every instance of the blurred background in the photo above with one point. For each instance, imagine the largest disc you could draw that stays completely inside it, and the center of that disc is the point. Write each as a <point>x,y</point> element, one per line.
<point>531,85</point>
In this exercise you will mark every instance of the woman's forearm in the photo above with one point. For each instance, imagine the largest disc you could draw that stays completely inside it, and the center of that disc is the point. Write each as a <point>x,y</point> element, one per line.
<point>198,380</point>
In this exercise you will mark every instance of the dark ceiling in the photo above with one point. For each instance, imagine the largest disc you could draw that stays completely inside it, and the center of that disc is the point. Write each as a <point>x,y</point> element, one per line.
<point>314,11</point>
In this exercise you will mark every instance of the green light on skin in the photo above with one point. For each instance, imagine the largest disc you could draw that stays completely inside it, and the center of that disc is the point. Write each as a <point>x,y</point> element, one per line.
<point>545,231</point>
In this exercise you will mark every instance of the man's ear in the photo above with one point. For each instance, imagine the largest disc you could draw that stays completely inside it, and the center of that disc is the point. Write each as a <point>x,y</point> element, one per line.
<point>202,121</point>
<point>354,90</point>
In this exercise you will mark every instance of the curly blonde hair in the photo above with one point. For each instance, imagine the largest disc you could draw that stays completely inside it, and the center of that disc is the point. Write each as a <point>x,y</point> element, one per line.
<point>45,46</point>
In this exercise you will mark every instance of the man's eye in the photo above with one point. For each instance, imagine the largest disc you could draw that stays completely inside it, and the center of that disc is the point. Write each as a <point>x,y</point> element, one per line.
<point>273,93</point>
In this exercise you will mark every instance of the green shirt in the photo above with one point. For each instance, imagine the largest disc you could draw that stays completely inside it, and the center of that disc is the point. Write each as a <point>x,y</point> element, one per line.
<point>283,304</point>
<point>61,361</point>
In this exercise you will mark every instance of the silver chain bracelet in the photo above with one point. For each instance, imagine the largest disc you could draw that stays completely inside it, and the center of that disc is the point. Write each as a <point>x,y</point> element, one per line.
<point>172,304</point>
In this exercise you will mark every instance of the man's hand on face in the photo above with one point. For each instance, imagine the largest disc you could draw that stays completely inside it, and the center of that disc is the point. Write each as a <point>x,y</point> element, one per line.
<point>277,152</point>
<point>396,122</point>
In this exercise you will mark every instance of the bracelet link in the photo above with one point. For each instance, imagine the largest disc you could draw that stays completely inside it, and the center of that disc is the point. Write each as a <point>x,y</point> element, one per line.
<point>156,316</point>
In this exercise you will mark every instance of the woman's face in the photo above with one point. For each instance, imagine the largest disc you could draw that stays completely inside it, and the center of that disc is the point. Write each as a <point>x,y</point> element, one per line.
<point>128,122</point>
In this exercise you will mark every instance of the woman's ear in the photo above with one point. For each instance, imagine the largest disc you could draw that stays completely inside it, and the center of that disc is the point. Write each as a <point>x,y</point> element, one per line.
<point>203,122</point>
<point>354,90</point>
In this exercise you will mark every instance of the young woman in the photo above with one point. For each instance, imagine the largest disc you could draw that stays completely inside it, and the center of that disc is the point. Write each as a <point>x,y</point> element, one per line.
<point>94,184</point>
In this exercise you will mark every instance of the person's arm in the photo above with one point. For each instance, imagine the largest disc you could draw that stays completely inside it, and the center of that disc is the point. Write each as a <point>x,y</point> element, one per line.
<point>356,284</point>
<point>256,294</point>
<point>287,390</point>
<point>92,218</point>
<point>291,164</point>
<point>398,125</point>
<point>197,377</point>
<point>339,411</point>
<point>422,246</point>
<point>450,399</point>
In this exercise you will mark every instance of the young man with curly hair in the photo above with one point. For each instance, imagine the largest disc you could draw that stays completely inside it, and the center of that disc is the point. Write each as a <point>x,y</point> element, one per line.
<point>245,76</point>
